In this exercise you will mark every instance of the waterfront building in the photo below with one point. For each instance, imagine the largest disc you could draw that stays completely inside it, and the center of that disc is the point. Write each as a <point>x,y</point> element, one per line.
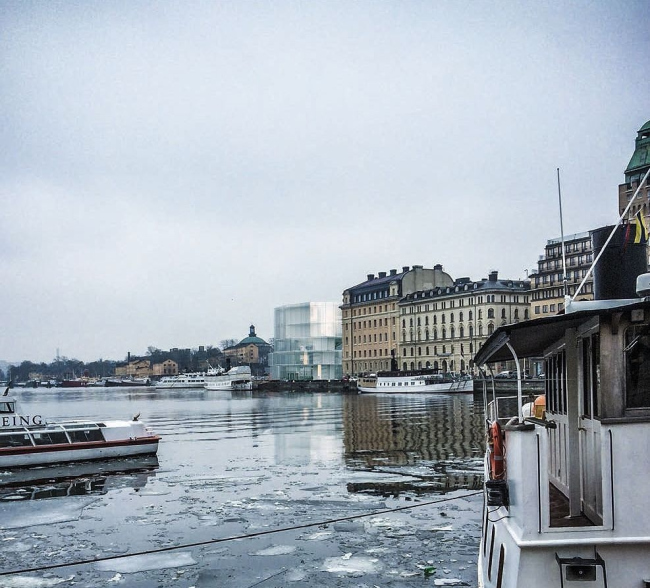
<point>136,368</point>
<point>634,172</point>
<point>252,351</point>
<point>166,368</point>
<point>370,316</point>
<point>442,328</point>
<point>547,281</point>
<point>307,344</point>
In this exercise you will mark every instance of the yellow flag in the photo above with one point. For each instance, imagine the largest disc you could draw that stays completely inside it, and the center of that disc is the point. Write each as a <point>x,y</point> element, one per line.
<point>641,228</point>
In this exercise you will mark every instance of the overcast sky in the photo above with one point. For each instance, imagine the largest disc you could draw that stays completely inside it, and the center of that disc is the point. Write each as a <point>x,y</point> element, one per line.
<point>171,172</point>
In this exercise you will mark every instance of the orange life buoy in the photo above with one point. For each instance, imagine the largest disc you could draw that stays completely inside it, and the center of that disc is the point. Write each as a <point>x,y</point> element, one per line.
<point>496,454</point>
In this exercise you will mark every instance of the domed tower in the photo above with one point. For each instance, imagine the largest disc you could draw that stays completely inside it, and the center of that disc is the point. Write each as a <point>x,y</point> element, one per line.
<point>636,169</point>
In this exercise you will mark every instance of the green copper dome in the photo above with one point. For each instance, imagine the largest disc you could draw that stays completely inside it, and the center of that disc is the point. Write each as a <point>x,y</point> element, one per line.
<point>641,158</point>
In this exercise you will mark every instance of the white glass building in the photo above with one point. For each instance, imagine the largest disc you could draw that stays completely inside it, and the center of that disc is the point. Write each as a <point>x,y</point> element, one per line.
<point>307,342</point>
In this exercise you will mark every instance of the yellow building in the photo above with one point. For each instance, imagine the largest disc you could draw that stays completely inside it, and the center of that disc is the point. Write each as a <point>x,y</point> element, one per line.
<point>370,316</point>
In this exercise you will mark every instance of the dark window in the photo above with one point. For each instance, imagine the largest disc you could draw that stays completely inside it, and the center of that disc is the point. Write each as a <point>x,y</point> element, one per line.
<point>49,437</point>
<point>637,359</point>
<point>15,440</point>
<point>83,435</point>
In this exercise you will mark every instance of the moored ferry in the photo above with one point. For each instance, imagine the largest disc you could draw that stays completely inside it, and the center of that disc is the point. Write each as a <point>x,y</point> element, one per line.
<point>236,378</point>
<point>189,380</point>
<point>28,440</point>
<point>424,381</point>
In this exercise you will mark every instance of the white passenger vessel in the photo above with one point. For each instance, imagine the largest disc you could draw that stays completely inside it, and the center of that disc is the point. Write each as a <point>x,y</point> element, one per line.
<point>566,473</point>
<point>190,380</point>
<point>236,378</point>
<point>28,440</point>
<point>423,381</point>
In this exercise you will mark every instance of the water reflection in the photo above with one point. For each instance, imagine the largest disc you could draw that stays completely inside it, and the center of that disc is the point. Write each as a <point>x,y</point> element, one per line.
<point>77,479</point>
<point>434,443</point>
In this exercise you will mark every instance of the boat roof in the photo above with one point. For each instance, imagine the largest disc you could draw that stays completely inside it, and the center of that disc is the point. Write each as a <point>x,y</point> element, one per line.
<point>531,338</point>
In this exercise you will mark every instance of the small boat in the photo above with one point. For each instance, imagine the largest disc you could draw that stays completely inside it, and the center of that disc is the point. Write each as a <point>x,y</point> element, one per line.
<point>423,381</point>
<point>28,440</point>
<point>566,472</point>
<point>189,380</point>
<point>236,378</point>
<point>129,382</point>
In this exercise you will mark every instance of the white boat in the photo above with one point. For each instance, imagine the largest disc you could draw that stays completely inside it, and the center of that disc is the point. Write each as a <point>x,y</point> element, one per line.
<point>190,380</point>
<point>236,378</point>
<point>28,440</point>
<point>423,381</point>
<point>566,473</point>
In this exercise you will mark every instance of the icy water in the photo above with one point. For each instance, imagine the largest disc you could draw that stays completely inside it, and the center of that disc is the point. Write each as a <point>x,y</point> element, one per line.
<point>268,490</point>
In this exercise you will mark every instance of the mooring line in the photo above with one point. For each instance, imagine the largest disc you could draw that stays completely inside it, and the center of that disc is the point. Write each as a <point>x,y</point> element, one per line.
<point>234,538</point>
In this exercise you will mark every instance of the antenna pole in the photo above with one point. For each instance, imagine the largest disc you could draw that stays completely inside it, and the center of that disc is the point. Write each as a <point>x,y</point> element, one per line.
<point>564,279</point>
<point>611,235</point>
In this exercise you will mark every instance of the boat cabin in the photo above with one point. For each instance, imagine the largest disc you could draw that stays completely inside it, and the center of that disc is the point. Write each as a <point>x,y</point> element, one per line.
<point>569,469</point>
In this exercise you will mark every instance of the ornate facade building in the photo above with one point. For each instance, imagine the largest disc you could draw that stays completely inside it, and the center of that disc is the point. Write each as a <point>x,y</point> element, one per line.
<point>370,315</point>
<point>423,318</point>
<point>442,328</point>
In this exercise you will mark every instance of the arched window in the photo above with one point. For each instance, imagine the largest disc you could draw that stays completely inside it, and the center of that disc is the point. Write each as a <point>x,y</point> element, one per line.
<point>426,334</point>
<point>480,313</point>
<point>452,332</point>
<point>451,317</point>
<point>490,313</point>
<point>516,313</point>
<point>435,334</point>
<point>462,331</point>
<point>503,313</point>
<point>490,329</point>
<point>471,315</point>
<point>460,316</point>
<point>471,331</point>
<point>442,319</point>
<point>444,333</point>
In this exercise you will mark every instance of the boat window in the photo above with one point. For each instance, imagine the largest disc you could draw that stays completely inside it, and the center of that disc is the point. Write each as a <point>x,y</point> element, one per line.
<point>556,383</point>
<point>15,440</point>
<point>591,374</point>
<point>83,435</point>
<point>7,407</point>
<point>637,366</point>
<point>49,437</point>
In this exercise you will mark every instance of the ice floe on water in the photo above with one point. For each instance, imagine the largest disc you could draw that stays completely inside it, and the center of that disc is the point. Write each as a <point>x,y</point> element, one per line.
<point>145,563</point>
<point>46,512</point>
<point>351,565</point>
<point>21,581</point>
<point>276,550</point>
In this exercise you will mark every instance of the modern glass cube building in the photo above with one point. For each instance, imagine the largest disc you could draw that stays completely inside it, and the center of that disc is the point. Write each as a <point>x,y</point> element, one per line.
<point>307,342</point>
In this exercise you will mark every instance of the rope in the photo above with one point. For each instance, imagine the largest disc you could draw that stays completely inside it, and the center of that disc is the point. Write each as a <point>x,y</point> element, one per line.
<point>233,538</point>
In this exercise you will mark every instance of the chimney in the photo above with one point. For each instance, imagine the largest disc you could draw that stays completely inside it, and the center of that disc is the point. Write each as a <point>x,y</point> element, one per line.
<point>371,277</point>
<point>393,272</point>
<point>493,275</point>
<point>438,266</point>
<point>382,274</point>
<point>418,267</point>
<point>405,268</point>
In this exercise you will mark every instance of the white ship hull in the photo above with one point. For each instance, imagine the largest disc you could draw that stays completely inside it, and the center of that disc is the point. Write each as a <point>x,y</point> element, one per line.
<point>409,384</point>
